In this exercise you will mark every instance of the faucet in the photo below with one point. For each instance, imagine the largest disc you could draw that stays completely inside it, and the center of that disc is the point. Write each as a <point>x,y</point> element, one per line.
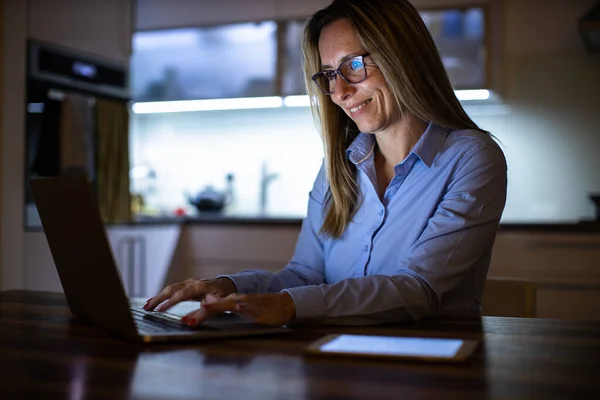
<point>265,179</point>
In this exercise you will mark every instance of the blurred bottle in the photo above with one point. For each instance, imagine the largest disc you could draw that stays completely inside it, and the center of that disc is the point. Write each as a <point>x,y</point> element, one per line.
<point>230,194</point>
<point>266,178</point>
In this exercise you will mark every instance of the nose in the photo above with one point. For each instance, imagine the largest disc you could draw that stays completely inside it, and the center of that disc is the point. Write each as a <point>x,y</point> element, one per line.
<point>342,90</point>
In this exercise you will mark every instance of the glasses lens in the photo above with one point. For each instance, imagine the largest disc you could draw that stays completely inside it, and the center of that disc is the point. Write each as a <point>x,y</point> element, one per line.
<point>324,83</point>
<point>353,70</point>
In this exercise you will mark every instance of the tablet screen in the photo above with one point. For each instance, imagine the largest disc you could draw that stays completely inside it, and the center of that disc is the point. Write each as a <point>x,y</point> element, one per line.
<point>393,346</point>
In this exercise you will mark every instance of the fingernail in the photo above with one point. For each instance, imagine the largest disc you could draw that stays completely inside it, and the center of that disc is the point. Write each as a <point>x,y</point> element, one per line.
<point>192,321</point>
<point>184,319</point>
<point>206,305</point>
<point>148,301</point>
<point>241,305</point>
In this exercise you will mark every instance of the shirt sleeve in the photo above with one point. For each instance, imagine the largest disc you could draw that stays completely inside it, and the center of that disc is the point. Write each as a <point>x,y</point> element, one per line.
<point>307,264</point>
<point>460,233</point>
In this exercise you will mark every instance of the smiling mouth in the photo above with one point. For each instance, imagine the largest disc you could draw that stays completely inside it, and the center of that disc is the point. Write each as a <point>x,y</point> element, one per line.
<point>355,109</point>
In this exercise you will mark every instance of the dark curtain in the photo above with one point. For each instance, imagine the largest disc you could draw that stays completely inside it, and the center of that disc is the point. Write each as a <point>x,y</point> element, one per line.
<point>112,127</point>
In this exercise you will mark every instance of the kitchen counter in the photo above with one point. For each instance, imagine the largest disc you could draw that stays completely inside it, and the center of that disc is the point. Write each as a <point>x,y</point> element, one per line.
<point>249,219</point>
<point>587,226</point>
<point>217,218</point>
<point>559,227</point>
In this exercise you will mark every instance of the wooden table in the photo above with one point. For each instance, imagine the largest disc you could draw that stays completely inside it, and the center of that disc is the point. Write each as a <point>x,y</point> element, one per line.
<point>45,353</point>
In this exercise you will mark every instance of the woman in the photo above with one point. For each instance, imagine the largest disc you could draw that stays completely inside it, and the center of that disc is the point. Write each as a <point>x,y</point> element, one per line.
<point>403,214</point>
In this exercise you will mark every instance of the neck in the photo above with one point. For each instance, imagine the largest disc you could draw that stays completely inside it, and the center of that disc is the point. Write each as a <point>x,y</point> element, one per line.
<point>393,146</point>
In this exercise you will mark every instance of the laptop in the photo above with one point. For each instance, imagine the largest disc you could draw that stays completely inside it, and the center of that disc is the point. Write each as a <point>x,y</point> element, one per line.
<point>90,278</point>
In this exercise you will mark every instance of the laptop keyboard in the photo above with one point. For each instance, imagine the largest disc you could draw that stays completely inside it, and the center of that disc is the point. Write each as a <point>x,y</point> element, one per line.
<point>153,322</point>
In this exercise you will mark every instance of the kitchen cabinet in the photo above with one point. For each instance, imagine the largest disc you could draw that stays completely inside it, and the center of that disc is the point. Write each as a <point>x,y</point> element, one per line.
<point>169,62</point>
<point>179,64</point>
<point>565,269</point>
<point>459,35</point>
<point>547,258</point>
<point>101,27</point>
<point>207,250</point>
<point>159,14</point>
<point>143,255</point>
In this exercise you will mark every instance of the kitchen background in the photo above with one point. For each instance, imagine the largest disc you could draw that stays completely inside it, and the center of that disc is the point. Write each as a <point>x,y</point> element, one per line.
<point>263,159</point>
<point>190,151</point>
<point>545,115</point>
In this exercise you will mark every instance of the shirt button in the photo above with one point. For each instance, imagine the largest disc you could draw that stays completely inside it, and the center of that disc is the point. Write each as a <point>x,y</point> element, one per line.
<point>381,212</point>
<point>366,247</point>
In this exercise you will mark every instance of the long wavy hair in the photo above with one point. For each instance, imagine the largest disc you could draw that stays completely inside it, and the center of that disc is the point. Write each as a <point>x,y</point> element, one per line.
<point>399,43</point>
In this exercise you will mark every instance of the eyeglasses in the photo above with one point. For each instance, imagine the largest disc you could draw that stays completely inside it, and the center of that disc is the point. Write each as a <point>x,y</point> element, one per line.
<point>353,70</point>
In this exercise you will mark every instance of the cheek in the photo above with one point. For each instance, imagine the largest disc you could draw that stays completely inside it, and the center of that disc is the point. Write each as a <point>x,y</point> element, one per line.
<point>336,104</point>
<point>390,102</point>
<point>379,88</point>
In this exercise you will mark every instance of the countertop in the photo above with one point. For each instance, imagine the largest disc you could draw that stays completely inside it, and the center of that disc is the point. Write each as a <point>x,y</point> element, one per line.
<point>212,218</point>
<point>249,219</point>
<point>218,218</point>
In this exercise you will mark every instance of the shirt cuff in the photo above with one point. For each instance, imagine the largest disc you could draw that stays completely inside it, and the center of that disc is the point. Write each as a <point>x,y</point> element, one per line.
<point>244,283</point>
<point>309,302</point>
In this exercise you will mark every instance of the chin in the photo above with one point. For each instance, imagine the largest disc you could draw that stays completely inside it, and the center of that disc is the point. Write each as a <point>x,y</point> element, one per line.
<point>367,127</point>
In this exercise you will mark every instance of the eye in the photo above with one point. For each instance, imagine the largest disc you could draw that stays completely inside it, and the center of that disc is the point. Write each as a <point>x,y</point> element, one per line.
<point>356,64</point>
<point>329,74</point>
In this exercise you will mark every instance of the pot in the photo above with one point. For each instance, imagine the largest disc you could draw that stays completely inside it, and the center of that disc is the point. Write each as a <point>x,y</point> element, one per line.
<point>208,200</point>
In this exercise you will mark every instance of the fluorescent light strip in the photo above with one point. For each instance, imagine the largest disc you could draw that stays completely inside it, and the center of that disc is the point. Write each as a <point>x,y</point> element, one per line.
<point>258,102</point>
<point>206,105</point>
<point>463,95</point>
<point>296,101</point>
<point>477,94</point>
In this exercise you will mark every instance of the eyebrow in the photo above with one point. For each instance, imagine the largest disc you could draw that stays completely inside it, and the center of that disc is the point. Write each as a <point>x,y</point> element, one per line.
<point>346,58</point>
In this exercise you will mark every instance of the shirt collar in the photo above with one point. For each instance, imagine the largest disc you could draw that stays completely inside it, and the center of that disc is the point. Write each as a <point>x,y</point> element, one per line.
<point>426,148</point>
<point>430,143</point>
<point>361,148</point>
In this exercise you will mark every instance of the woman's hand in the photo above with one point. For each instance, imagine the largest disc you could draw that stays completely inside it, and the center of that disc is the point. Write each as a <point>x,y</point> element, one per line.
<point>267,309</point>
<point>190,289</point>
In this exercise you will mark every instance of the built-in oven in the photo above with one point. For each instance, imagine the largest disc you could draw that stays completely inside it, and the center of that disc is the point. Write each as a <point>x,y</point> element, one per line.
<point>64,127</point>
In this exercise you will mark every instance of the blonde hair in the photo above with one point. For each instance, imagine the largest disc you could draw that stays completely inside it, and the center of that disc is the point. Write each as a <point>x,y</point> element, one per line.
<point>399,43</point>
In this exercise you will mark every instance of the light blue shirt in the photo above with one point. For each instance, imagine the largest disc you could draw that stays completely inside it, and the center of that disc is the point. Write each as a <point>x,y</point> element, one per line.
<point>422,251</point>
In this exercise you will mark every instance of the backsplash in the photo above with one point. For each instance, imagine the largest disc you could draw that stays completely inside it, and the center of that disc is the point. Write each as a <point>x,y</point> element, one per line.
<point>549,134</point>
<point>190,151</point>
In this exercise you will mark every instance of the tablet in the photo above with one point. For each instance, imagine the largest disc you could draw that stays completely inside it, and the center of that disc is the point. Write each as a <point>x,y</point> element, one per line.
<point>422,348</point>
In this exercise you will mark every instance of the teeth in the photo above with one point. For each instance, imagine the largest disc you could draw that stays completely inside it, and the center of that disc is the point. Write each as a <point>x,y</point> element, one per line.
<point>355,109</point>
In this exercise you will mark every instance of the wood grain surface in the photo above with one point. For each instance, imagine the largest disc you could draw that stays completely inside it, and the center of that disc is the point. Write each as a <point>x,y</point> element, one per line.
<point>46,353</point>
